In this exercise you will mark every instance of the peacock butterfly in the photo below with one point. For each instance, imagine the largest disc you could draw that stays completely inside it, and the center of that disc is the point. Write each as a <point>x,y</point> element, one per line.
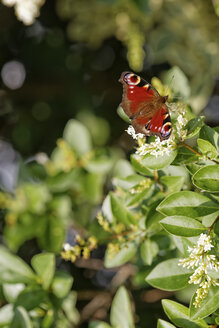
<point>145,107</point>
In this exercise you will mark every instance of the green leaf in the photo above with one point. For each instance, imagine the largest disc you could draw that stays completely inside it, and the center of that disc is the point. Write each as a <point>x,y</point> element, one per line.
<point>65,181</point>
<point>156,163</point>
<point>100,165</point>
<point>139,166</point>
<point>182,226</point>
<point>61,284</point>
<point>37,196</point>
<point>183,243</point>
<point>209,305</point>
<point>121,313</point>
<point>14,269</point>
<point>21,319</point>
<point>168,275</point>
<point>69,308</point>
<point>44,265</point>
<point>187,203</point>
<point>207,148</point>
<point>164,324</point>
<point>193,126</point>
<point>210,135</point>
<point>173,183</point>
<point>193,168</point>
<point>216,8</point>
<point>185,156</point>
<point>128,182</point>
<point>134,199</point>
<point>53,237</point>
<point>99,324</point>
<point>75,131</point>
<point>48,319</point>
<point>149,250</point>
<point>123,168</point>
<point>92,187</point>
<point>125,254</point>
<point>123,115</point>
<point>6,314</point>
<point>207,178</point>
<point>62,205</point>
<point>120,213</point>
<point>180,85</point>
<point>30,298</point>
<point>179,315</point>
<point>11,291</point>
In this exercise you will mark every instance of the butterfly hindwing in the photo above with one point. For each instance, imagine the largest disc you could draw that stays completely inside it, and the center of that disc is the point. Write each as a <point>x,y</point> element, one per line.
<point>145,107</point>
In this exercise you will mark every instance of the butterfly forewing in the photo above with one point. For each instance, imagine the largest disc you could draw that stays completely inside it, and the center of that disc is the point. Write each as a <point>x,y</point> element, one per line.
<point>145,107</point>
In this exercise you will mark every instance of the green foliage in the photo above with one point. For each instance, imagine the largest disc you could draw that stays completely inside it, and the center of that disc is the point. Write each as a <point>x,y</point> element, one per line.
<point>154,210</point>
<point>37,299</point>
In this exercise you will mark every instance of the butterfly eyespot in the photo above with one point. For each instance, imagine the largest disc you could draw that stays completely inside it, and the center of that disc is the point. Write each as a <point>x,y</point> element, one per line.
<point>132,78</point>
<point>166,130</point>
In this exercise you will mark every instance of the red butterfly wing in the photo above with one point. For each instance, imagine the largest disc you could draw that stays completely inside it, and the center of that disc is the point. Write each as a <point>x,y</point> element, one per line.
<point>145,107</point>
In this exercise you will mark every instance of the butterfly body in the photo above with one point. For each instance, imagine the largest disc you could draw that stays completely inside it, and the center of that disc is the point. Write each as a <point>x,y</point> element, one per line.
<point>145,107</point>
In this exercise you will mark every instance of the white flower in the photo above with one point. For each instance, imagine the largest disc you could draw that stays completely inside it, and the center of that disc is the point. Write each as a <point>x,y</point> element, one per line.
<point>199,258</point>
<point>66,247</point>
<point>132,133</point>
<point>25,10</point>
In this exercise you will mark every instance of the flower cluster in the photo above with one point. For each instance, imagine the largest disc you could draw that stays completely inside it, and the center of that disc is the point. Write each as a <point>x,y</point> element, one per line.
<point>25,10</point>
<point>198,258</point>
<point>144,184</point>
<point>121,235</point>
<point>82,249</point>
<point>112,228</point>
<point>164,147</point>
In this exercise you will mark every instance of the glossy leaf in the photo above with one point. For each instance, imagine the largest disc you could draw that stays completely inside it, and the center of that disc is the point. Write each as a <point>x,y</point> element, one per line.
<point>193,126</point>
<point>155,163</point>
<point>44,265</point>
<point>179,315</point>
<point>210,135</point>
<point>207,148</point>
<point>74,131</point>
<point>99,324</point>
<point>125,254</point>
<point>187,203</point>
<point>6,314</point>
<point>121,313</point>
<point>53,236</point>
<point>164,324</point>
<point>11,291</point>
<point>172,183</point>
<point>120,213</point>
<point>139,166</point>
<point>31,298</point>
<point>207,307</point>
<point>149,250</point>
<point>185,156</point>
<point>21,319</point>
<point>14,269</point>
<point>182,226</point>
<point>61,284</point>
<point>207,178</point>
<point>168,275</point>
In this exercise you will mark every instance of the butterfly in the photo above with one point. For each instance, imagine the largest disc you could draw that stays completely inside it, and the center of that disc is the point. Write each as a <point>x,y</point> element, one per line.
<point>145,107</point>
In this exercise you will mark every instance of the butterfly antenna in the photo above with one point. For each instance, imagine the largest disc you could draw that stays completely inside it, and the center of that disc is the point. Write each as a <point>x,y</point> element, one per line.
<point>170,85</point>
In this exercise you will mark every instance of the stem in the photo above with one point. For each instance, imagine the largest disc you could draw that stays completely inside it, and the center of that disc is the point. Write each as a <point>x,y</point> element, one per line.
<point>196,152</point>
<point>212,226</point>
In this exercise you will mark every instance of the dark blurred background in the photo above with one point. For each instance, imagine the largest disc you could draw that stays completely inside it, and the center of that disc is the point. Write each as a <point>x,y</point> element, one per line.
<point>68,61</point>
